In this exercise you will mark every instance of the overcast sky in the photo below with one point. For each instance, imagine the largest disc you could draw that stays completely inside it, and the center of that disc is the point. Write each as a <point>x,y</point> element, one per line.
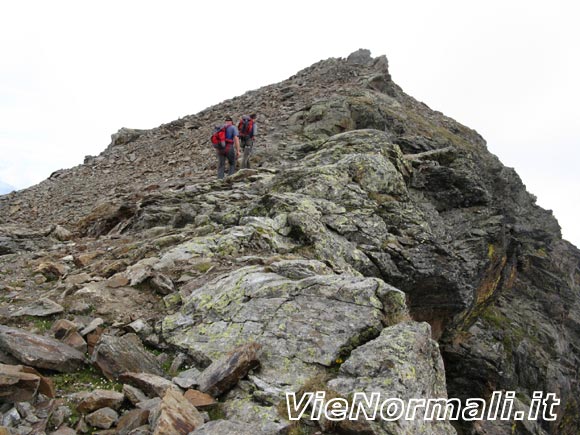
<point>74,72</point>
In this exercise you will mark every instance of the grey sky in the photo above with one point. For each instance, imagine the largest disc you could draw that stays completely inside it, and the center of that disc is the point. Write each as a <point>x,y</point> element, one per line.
<point>72,73</point>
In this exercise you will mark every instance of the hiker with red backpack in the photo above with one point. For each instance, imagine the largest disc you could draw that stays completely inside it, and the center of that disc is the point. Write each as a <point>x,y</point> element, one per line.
<point>248,129</point>
<point>225,140</point>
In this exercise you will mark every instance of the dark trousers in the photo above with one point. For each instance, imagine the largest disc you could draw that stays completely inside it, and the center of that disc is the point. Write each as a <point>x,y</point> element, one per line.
<point>230,156</point>
<point>247,145</point>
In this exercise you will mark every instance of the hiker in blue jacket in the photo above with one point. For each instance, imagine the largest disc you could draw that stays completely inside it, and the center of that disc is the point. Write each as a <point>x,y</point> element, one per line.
<point>232,151</point>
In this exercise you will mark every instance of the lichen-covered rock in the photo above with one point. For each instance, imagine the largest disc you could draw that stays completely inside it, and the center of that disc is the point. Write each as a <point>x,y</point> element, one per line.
<point>302,323</point>
<point>357,184</point>
<point>402,363</point>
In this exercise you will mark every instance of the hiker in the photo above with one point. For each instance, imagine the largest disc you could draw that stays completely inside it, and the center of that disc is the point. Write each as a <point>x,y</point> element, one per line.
<point>226,142</point>
<point>248,129</point>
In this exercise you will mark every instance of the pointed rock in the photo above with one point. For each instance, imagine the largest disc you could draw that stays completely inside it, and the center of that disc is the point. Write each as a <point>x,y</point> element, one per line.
<point>176,416</point>
<point>38,351</point>
<point>224,374</point>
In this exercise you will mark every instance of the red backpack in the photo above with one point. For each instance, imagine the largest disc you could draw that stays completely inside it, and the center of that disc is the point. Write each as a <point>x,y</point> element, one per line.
<point>218,138</point>
<point>246,126</point>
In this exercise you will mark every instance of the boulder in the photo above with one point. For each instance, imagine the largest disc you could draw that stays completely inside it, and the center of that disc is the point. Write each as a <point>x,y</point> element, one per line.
<point>42,308</point>
<point>61,233</point>
<point>402,363</point>
<point>38,351</point>
<point>76,341</point>
<point>117,355</point>
<point>52,271</point>
<point>62,328</point>
<point>133,394</point>
<point>187,378</point>
<point>303,324</point>
<point>132,420</point>
<point>150,384</point>
<point>199,400</point>
<point>360,57</point>
<point>176,416</point>
<point>102,418</point>
<point>223,374</point>
<point>17,385</point>
<point>89,402</point>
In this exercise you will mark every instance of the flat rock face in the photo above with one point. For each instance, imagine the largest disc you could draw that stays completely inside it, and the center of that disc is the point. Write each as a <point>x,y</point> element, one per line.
<point>42,308</point>
<point>38,351</point>
<point>301,323</point>
<point>199,400</point>
<point>117,355</point>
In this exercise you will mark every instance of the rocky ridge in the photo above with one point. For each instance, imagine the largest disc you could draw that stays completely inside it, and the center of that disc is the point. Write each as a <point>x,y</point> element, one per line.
<point>377,245</point>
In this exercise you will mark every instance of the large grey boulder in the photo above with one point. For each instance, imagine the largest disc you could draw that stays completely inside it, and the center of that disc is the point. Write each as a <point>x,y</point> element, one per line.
<point>402,363</point>
<point>362,56</point>
<point>303,324</point>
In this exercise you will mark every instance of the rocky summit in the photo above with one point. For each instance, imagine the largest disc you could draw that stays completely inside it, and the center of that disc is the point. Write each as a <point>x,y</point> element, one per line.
<point>376,245</point>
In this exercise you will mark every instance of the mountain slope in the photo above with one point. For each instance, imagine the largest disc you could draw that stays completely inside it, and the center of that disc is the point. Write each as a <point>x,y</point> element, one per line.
<point>360,193</point>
